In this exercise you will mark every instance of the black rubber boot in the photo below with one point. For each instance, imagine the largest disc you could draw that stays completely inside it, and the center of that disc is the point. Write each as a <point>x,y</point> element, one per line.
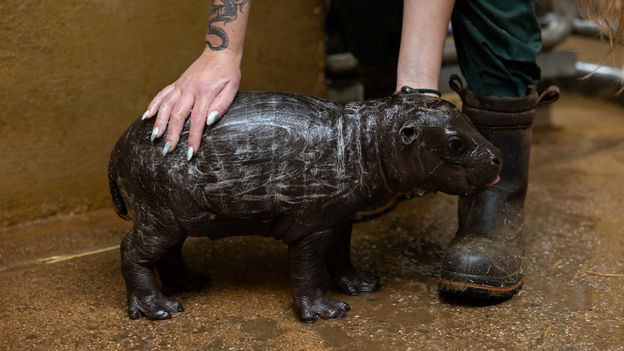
<point>484,260</point>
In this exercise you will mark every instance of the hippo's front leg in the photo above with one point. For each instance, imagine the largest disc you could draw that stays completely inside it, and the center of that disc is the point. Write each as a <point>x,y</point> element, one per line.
<point>305,258</point>
<point>346,278</point>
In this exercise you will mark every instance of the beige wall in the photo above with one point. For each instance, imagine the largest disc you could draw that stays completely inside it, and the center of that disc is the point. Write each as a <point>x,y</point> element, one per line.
<point>74,74</point>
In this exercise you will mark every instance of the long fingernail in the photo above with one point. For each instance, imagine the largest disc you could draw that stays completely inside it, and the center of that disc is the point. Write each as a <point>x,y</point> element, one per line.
<point>166,149</point>
<point>189,154</point>
<point>212,118</point>
<point>145,115</point>
<point>154,133</point>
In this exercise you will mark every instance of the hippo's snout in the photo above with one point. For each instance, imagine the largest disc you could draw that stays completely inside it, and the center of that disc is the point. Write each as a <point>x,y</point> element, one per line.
<point>487,172</point>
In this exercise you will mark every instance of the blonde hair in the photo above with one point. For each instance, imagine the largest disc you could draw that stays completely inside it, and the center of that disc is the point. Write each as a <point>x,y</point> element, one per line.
<point>608,16</point>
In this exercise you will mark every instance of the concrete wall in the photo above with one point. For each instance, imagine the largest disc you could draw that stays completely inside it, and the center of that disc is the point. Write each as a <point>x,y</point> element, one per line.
<point>74,74</point>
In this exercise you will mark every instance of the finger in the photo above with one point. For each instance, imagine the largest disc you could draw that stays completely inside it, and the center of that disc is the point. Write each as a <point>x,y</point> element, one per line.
<point>179,114</point>
<point>163,114</point>
<point>198,121</point>
<point>157,101</point>
<point>221,103</point>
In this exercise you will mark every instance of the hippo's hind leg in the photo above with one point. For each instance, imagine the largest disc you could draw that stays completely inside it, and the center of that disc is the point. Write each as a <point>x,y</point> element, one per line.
<point>141,250</point>
<point>305,258</point>
<point>175,274</point>
<point>345,277</point>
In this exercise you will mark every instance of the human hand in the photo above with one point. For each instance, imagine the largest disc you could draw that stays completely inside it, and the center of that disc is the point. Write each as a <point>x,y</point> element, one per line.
<point>205,91</point>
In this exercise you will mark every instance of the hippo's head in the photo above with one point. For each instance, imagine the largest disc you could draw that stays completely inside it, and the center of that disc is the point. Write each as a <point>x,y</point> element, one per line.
<point>437,148</point>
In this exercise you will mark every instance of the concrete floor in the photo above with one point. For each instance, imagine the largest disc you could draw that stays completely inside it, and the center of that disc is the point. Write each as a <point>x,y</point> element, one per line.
<point>61,287</point>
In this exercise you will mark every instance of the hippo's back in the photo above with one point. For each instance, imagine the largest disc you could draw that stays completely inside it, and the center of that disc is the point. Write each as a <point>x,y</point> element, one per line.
<point>269,153</point>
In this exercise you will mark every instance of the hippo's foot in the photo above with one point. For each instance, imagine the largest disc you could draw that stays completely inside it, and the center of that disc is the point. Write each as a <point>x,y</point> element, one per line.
<point>353,282</point>
<point>312,308</point>
<point>153,307</point>
<point>183,280</point>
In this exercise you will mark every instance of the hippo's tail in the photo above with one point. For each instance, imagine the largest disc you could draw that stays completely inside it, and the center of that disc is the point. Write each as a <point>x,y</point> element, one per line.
<point>120,205</point>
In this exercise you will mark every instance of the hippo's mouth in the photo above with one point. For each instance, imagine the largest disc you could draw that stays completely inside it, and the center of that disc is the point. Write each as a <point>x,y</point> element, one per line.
<point>494,182</point>
<point>473,189</point>
<point>485,186</point>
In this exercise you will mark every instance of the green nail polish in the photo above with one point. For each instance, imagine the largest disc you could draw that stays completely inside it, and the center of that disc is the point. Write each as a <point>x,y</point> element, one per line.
<point>145,115</point>
<point>189,154</point>
<point>166,149</point>
<point>213,117</point>
<point>154,133</point>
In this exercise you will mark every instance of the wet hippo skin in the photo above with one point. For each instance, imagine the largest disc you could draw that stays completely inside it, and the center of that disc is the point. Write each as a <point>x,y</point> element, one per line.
<point>292,167</point>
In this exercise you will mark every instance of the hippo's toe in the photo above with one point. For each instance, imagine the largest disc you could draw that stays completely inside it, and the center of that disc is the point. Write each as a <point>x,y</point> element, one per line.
<point>355,282</point>
<point>321,307</point>
<point>153,307</point>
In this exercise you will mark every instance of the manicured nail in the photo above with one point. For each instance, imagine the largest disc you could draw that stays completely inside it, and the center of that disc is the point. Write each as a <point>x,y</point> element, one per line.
<point>166,149</point>
<point>212,118</point>
<point>189,154</point>
<point>145,115</point>
<point>154,133</point>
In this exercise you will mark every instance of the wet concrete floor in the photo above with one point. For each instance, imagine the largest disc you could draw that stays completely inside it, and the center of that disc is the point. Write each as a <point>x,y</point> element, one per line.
<point>61,286</point>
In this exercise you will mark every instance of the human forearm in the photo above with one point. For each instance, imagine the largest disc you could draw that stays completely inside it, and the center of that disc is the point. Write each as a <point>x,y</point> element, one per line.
<point>425,25</point>
<point>227,25</point>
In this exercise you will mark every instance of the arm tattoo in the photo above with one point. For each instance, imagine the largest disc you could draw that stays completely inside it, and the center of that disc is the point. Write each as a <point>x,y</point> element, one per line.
<point>223,11</point>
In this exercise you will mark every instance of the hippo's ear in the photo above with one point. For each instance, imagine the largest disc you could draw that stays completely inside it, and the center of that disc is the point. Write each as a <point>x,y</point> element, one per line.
<point>408,134</point>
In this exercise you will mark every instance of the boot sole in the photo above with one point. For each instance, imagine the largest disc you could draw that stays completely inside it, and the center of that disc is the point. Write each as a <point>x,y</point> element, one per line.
<point>477,291</point>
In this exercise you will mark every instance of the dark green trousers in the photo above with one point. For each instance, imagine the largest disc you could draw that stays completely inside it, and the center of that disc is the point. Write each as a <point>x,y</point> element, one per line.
<point>497,41</point>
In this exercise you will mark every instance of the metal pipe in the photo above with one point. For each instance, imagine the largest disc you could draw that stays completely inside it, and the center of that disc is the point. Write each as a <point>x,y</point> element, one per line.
<point>599,81</point>
<point>585,27</point>
<point>599,72</point>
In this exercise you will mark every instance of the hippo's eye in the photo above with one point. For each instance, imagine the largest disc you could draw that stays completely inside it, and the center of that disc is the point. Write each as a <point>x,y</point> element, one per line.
<point>455,145</point>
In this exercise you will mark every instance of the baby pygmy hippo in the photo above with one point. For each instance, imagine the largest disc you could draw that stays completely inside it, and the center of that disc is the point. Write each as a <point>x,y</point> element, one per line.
<point>292,167</point>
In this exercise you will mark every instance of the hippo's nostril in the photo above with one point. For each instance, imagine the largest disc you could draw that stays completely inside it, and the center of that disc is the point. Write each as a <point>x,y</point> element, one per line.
<point>496,161</point>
